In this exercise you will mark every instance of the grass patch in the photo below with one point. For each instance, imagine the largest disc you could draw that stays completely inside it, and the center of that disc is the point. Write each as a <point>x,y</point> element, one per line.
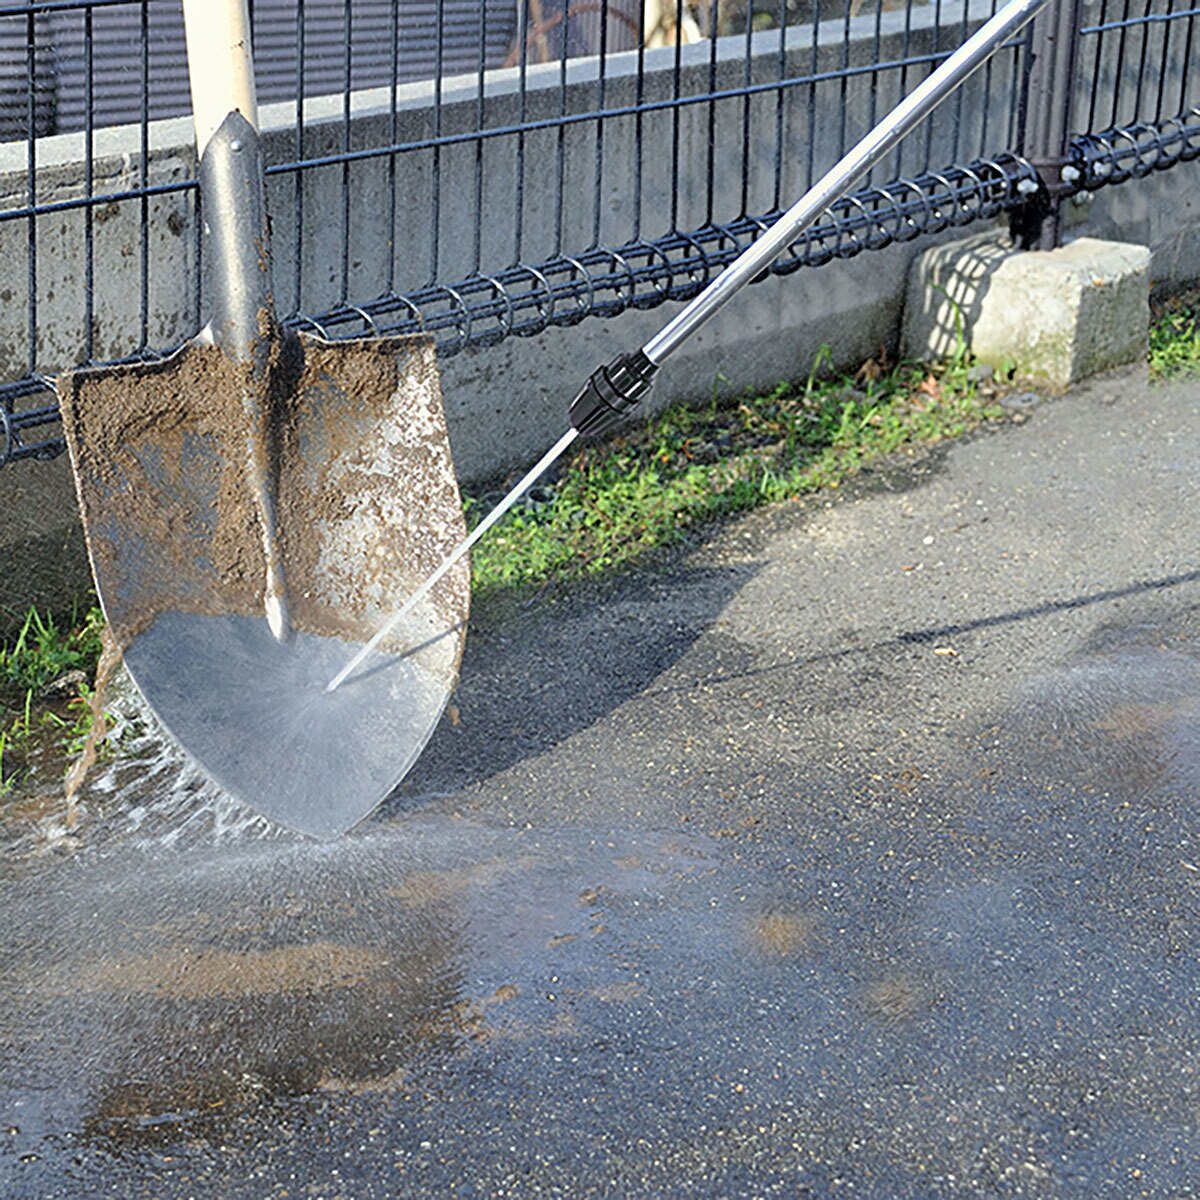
<point>1175,335</point>
<point>45,681</point>
<point>646,488</point>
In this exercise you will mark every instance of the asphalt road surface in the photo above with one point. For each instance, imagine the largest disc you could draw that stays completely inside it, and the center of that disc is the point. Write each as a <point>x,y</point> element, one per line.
<point>851,851</point>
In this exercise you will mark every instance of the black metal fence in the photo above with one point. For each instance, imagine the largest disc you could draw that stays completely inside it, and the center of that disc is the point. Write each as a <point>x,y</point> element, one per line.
<point>488,169</point>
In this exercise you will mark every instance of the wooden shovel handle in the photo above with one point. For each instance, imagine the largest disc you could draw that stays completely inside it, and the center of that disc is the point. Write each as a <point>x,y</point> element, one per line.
<point>220,64</point>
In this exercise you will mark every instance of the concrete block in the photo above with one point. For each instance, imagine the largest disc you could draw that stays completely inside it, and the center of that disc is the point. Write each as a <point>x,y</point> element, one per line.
<point>1055,316</point>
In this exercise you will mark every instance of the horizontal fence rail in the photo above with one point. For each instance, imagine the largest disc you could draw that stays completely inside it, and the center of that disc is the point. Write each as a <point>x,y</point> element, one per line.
<point>481,170</point>
<point>605,281</point>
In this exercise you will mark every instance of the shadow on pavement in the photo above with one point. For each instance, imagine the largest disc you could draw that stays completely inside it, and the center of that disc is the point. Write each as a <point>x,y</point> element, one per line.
<point>563,668</point>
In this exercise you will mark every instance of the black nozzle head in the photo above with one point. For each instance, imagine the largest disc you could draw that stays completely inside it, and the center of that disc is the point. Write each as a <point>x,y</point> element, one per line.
<point>611,394</point>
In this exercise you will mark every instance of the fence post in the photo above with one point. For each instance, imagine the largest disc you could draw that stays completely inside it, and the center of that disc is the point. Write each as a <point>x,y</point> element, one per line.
<point>1045,120</point>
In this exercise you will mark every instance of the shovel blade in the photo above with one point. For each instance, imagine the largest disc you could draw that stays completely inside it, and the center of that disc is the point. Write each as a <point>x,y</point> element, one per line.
<point>367,505</point>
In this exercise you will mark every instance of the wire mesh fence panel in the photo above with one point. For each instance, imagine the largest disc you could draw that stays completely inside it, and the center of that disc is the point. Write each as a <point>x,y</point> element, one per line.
<point>1137,103</point>
<point>486,169</point>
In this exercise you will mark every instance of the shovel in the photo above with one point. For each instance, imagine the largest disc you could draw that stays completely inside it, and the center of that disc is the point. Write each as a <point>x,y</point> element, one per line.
<point>254,503</point>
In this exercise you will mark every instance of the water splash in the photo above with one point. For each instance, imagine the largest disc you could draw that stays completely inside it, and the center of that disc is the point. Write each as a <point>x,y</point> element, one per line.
<point>142,792</point>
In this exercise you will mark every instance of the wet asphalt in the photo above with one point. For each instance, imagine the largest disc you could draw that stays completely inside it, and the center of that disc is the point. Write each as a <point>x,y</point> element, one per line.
<point>851,850</point>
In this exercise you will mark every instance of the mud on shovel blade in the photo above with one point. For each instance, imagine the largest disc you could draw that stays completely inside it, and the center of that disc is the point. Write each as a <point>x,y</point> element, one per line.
<point>252,504</point>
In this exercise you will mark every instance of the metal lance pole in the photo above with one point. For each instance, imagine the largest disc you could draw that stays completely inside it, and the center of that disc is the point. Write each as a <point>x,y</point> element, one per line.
<point>615,389</point>
<point>1045,121</point>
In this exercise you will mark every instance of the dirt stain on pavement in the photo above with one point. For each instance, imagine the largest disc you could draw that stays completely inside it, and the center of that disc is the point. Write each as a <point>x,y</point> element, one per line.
<point>896,998</point>
<point>208,973</point>
<point>780,933</point>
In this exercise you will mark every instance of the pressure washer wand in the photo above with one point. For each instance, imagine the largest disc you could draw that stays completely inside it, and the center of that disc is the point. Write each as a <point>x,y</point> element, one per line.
<point>614,390</point>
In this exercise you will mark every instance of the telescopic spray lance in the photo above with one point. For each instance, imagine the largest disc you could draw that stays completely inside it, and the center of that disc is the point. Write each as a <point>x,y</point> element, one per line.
<point>614,390</point>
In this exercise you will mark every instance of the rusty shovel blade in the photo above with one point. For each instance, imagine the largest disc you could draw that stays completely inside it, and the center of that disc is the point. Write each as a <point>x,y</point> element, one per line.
<point>366,506</point>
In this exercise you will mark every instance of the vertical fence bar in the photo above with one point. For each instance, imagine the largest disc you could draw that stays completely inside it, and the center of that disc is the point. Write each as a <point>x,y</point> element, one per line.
<point>1115,115</point>
<point>348,82</point>
<point>1187,58</point>
<point>781,63</point>
<point>905,60</point>
<point>1164,60</point>
<point>873,88</point>
<point>1144,31</point>
<point>747,78</point>
<point>1046,120</point>
<point>561,152</point>
<point>676,84</point>
<point>480,119</point>
<point>143,183</point>
<point>810,172</point>
<point>435,174</point>
<point>844,80</point>
<point>298,184</point>
<point>522,116</point>
<point>1097,58</point>
<point>638,124</point>
<point>964,32</point>
<point>984,144</point>
<point>935,33</point>
<point>710,139</point>
<point>393,138</point>
<point>197,256</point>
<point>1016,89</point>
<point>601,100</point>
<point>31,262</point>
<point>89,186</point>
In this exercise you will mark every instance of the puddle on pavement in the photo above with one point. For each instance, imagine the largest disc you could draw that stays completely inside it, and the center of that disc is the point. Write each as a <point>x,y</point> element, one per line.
<point>177,966</point>
<point>141,989</point>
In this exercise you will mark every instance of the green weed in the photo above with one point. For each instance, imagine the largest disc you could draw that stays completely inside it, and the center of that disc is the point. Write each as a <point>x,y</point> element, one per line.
<point>42,652</point>
<point>1175,336</point>
<point>6,780</point>
<point>31,722</point>
<point>689,466</point>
